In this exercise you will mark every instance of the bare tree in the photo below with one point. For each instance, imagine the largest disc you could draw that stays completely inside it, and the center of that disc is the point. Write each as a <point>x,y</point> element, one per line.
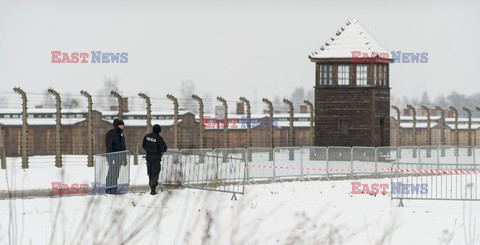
<point>298,96</point>
<point>69,102</point>
<point>425,99</point>
<point>106,101</point>
<point>187,88</point>
<point>310,94</point>
<point>48,101</point>
<point>209,102</point>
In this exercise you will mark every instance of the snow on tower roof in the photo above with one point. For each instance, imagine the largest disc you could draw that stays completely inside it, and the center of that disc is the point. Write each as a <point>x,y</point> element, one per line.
<point>350,37</point>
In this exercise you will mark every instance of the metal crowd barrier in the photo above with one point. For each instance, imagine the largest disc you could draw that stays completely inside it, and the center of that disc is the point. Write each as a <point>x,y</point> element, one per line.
<point>435,181</point>
<point>197,167</point>
<point>112,172</point>
<point>309,162</point>
<point>205,171</point>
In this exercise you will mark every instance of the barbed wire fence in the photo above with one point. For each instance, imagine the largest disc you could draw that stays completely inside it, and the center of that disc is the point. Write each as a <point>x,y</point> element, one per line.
<point>66,125</point>
<point>62,129</point>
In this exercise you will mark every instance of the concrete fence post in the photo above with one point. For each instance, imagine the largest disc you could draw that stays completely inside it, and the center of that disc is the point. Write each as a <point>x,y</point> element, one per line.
<point>149,111</point>
<point>135,155</point>
<point>457,138</point>
<point>176,140</point>
<point>3,158</point>
<point>469,140</point>
<point>120,104</point>
<point>398,135</point>
<point>24,136</point>
<point>58,128</point>
<point>201,111</point>
<point>429,130</point>
<point>442,128</point>
<point>414,114</point>
<point>312,122</point>
<point>249,126</point>
<point>89,128</point>
<point>270,126</point>
<point>291,136</point>
<point>225,121</point>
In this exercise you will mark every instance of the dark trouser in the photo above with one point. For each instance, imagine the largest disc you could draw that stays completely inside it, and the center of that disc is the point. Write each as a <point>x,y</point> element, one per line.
<point>115,161</point>
<point>153,170</point>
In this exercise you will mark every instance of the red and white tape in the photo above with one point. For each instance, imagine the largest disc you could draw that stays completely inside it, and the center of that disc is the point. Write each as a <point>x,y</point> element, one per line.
<point>437,171</point>
<point>317,169</point>
<point>423,171</point>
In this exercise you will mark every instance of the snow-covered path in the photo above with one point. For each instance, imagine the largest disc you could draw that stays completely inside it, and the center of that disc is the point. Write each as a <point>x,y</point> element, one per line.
<point>285,213</point>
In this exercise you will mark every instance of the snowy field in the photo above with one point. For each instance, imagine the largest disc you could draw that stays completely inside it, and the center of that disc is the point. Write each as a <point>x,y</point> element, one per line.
<point>313,212</point>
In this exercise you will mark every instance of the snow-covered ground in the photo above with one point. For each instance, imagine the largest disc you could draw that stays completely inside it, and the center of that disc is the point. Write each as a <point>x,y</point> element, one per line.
<point>42,172</point>
<point>313,212</point>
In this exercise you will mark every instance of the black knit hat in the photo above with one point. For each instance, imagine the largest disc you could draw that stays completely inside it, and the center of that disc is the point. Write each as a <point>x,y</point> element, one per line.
<point>157,129</point>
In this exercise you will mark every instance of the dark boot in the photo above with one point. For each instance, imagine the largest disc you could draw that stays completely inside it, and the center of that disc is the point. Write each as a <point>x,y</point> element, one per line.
<point>153,190</point>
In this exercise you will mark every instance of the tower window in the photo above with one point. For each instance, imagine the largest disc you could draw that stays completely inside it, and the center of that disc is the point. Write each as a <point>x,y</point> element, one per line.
<point>362,75</point>
<point>343,127</point>
<point>343,75</point>
<point>385,83</point>
<point>326,74</point>
<point>380,75</point>
<point>375,75</point>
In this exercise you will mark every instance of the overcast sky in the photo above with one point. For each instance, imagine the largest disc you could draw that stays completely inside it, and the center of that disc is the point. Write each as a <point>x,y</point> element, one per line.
<point>229,47</point>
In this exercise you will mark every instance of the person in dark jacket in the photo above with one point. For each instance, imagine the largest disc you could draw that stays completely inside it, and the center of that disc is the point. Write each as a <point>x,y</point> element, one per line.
<point>154,146</point>
<point>115,142</point>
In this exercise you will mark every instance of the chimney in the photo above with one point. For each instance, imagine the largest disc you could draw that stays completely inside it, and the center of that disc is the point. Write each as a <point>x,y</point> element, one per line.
<point>407,112</point>
<point>240,108</point>
<point>303,109</point>
<point>450,113</point>
<point>125,104</point>
<point>424,112</point>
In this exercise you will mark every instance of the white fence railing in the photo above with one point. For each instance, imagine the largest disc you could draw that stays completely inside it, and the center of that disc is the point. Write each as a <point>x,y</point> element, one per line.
<point>307,163</point>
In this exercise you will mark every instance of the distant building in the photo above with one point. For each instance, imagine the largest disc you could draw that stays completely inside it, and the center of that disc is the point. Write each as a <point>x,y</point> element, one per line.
<point>352,94</point>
